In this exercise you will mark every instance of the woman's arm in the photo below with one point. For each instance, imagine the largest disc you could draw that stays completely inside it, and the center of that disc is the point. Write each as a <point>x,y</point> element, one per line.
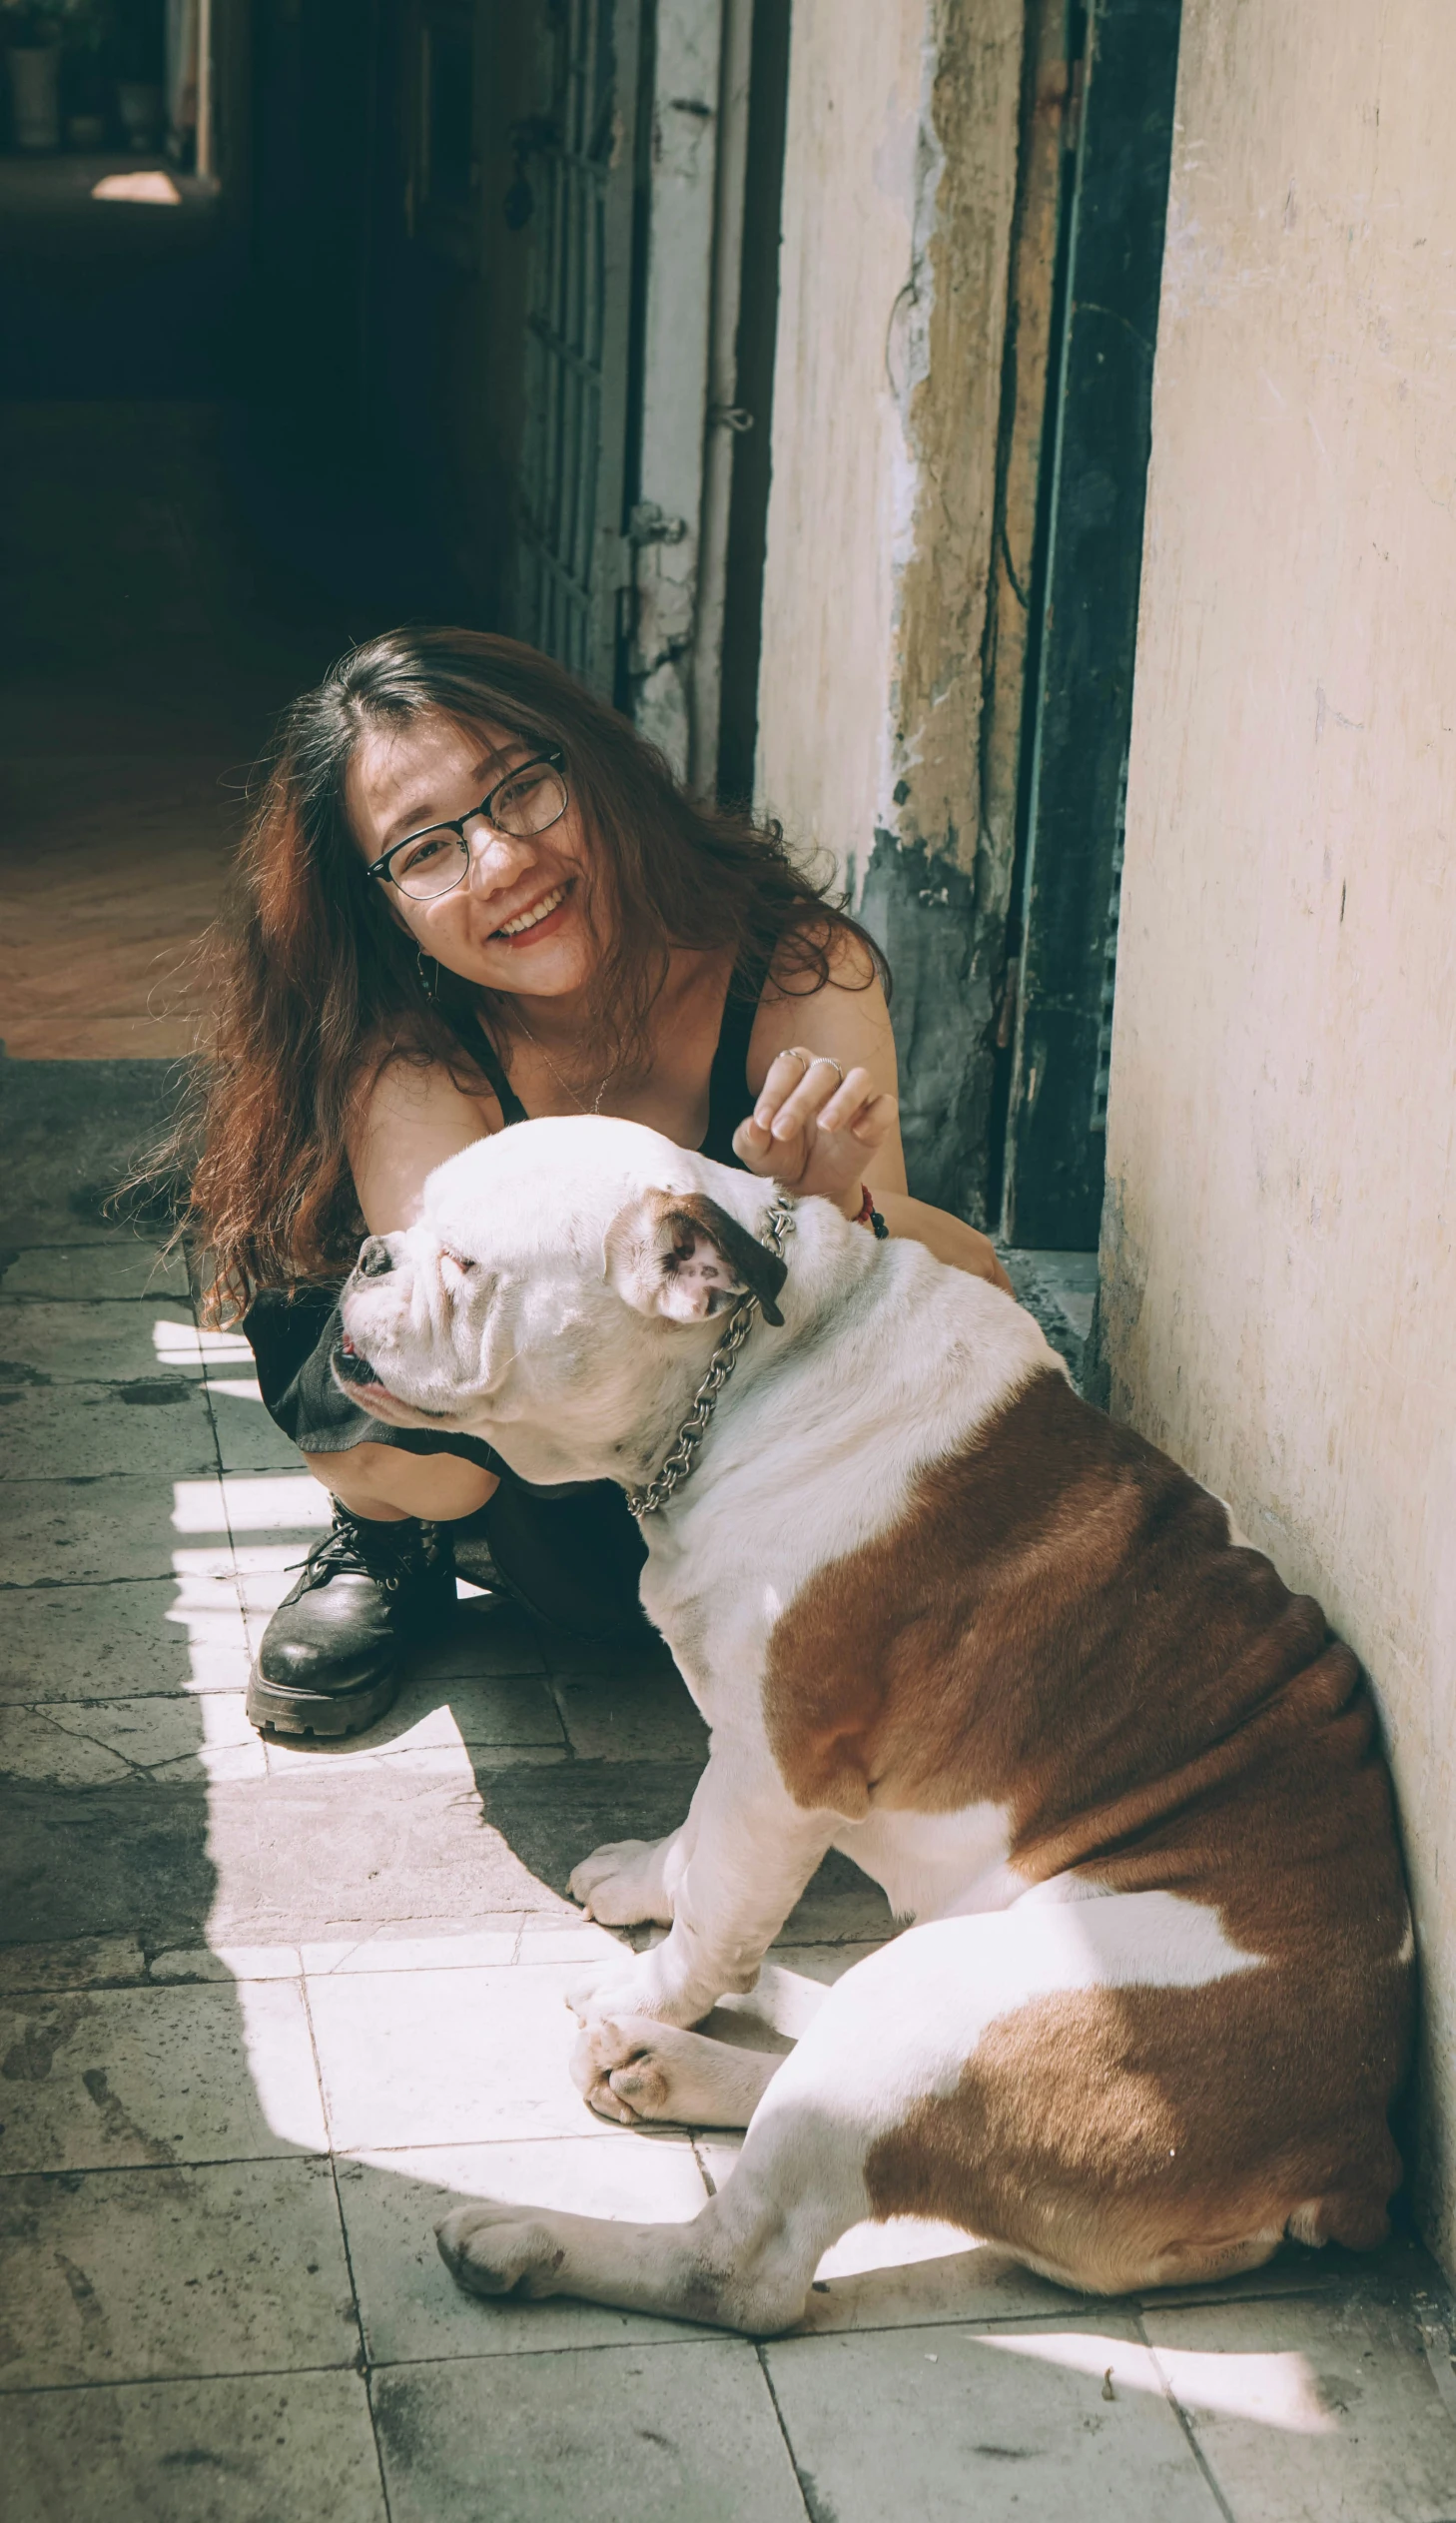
<point>947,1237</point>
<point>409,1119</point>
<point>829,1135</point>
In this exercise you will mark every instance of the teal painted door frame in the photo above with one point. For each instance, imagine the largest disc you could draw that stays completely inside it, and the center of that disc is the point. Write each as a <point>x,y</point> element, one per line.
<point>1085,599</point>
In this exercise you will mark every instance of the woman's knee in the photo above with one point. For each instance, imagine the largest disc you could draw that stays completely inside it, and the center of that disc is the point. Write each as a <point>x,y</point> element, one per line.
<point>354,1469</point>
<point>445,1485</point>
<point>358,1464</point>
<point>440,1488</point>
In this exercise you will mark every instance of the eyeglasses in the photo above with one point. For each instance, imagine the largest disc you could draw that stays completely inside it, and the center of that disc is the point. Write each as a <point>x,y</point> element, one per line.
<point>528,800</point>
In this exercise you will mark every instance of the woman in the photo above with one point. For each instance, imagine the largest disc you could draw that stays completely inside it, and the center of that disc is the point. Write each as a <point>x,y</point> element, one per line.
<point>474,894</point>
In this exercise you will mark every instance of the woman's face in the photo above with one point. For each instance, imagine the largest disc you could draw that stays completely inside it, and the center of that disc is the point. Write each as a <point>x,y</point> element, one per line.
<point>400,782</point>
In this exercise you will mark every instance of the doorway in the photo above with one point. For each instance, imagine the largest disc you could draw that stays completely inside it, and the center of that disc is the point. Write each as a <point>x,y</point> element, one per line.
<point>1064,940</point>
<point>593,305</point>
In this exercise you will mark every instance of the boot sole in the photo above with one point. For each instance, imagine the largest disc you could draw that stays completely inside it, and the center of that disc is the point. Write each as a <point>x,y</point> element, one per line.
<point>328,1715</point>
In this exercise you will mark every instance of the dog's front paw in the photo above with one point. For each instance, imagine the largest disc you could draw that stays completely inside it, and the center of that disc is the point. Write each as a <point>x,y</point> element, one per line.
<point>597,1985</point>
<point>621,1884</point>
<point>494,2247</point>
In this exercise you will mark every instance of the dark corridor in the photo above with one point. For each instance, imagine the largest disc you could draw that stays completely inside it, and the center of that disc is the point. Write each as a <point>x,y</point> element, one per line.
<point>209,488</point>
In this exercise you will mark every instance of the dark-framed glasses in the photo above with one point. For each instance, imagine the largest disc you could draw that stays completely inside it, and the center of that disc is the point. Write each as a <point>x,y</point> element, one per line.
<point>528,800</point>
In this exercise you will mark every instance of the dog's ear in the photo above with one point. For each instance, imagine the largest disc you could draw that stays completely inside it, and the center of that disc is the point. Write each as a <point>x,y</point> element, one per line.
<point>678,1254</point>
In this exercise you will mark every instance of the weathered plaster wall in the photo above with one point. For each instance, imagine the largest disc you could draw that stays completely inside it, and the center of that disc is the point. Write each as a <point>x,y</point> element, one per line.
<point>1279,1283</point>
<point>840,460</point>
<point>899,203</point>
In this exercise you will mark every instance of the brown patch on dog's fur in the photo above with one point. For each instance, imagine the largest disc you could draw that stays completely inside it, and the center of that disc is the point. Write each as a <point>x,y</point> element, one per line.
<point>1127,2137</point>
<point>1061,1624</point>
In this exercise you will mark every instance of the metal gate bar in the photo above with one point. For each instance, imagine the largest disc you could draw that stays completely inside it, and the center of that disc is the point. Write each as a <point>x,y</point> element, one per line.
<point>575,454</point>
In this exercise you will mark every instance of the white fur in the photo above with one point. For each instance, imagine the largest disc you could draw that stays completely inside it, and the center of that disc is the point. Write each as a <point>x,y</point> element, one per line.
<point>558,1343</point>
<point>937,1866</point>
<point>566,1361</point>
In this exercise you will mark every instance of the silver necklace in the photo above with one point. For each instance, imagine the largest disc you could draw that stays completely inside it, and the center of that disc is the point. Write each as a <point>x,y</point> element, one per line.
<point>778,1225</point>
<point>594,1107</point>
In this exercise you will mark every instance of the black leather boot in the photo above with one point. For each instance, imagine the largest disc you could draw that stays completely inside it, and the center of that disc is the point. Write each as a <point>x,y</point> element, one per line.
<point>331,1658</point>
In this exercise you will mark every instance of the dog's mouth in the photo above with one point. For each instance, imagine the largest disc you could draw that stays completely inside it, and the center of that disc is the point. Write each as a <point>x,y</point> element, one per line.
<point>353,1367</point>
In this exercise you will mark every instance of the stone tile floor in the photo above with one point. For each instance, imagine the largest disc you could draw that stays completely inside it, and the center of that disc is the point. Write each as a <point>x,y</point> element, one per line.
<point>267,2011</point>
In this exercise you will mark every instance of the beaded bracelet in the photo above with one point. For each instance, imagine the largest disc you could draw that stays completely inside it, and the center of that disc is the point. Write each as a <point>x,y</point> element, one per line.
<point>867,1213</point>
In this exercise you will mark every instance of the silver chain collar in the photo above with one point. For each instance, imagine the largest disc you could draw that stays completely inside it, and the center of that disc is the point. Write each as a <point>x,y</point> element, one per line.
<point>778,1225</point>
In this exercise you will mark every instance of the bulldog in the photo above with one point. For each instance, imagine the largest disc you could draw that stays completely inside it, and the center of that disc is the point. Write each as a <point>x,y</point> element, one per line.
<point>1154,1998</point>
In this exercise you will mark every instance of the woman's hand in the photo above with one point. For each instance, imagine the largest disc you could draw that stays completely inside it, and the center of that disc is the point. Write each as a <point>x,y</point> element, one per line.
<point>815,1127</point>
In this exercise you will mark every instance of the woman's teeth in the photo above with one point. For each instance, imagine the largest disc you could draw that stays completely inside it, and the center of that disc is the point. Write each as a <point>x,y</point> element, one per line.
<point>538,911</point>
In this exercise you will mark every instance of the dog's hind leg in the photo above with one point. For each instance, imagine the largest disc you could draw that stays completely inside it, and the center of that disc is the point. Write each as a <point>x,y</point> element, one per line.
<point>633,2067</point>
<point>746,2262</point>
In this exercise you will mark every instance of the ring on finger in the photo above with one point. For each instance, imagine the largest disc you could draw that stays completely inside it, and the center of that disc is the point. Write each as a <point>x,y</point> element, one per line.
<point>821,1060</point>
<point>805,1062</point>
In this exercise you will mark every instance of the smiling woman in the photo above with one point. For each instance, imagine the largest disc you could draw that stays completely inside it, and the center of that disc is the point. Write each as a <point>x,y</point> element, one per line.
<point>472,894</point>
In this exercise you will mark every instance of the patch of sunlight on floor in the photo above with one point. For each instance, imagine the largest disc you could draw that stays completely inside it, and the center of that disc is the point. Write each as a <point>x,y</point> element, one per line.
<point>218,1588</point>
<point>901,2243</point>
<point>434,1743</point>
<point>250,1503</point>
<point>1277,2388</point>
<point>208,1608</point>
<point>279,2054</point>
<point>234,1387</point>
<point>181,1345</point>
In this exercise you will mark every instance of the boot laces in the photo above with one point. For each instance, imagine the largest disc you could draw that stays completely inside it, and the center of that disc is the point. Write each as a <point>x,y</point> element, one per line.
<point>351,1548</point>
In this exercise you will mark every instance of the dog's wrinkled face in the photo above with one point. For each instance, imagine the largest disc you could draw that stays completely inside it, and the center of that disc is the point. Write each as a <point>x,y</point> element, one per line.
<point>547,1297</point>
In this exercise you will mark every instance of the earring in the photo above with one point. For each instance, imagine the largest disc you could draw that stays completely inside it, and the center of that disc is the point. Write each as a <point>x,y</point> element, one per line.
<point>429,980</point>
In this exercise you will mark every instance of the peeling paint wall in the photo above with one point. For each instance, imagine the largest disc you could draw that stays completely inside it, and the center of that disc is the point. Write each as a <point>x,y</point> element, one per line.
<point>839,447</point>
<point>899,197</point>
<point>1279,1286</point>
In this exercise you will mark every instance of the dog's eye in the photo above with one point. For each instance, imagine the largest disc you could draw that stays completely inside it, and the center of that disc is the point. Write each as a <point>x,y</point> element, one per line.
<point>454,1271</point>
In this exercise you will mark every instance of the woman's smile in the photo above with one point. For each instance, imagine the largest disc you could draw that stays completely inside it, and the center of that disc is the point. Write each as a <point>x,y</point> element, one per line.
<point>540,917</point>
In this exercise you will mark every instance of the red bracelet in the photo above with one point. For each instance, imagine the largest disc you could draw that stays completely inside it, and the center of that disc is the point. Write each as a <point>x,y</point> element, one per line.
<point>867,1213</point>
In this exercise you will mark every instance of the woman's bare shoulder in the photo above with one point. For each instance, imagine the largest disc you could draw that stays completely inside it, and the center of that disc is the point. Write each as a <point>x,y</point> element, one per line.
<point>824,979</point>
<point>410,1111</point>
<point>408,1078</point>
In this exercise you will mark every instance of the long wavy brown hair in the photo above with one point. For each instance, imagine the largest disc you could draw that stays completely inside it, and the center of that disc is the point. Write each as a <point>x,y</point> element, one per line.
<point>314,987</point>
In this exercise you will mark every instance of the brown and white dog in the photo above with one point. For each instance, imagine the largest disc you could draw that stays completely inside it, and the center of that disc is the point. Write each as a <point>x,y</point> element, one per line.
<point>943,1616</point>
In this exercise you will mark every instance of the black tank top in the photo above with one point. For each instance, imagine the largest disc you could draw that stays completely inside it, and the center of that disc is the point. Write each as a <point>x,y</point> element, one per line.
<point>729,1099</point>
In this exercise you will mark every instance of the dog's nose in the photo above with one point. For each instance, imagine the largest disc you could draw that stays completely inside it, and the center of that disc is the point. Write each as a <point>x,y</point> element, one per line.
<point>373,1257</point>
